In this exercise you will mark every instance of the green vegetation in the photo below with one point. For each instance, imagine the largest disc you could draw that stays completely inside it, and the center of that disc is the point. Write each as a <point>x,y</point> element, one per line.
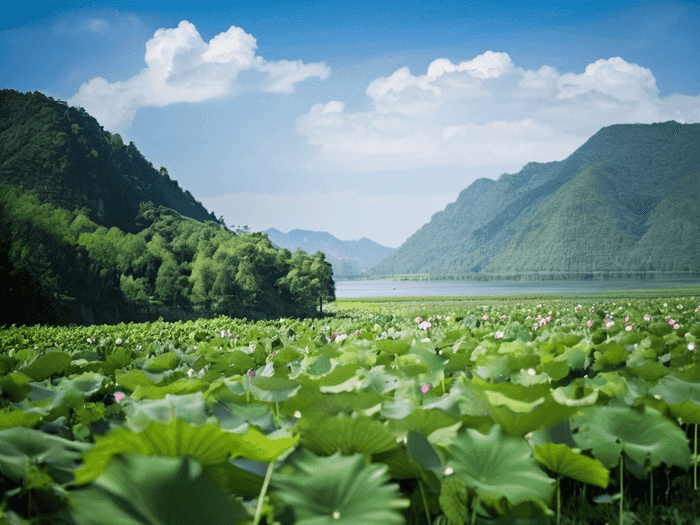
<point>482,410</point>
<point>61,267</point>
<point>624,203</point>
<point>93,233</point>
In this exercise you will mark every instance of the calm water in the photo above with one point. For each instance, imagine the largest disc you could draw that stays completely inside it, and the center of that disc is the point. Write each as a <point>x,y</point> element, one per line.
<point>348,289</point>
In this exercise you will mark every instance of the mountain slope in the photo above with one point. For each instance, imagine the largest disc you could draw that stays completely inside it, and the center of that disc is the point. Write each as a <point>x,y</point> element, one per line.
<point>347,257</point>
<point>604,208</point>
<point>64,156</point>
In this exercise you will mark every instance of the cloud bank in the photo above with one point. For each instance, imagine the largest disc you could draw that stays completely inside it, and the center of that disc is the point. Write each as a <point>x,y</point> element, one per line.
<point>181,67</point>
<point>485,112</point>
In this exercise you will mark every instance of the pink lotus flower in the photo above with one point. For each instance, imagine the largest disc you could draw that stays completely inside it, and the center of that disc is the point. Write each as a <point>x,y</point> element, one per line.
<point>592,309</point>
<point>691,346</point>
<point>589,323</point>
<point>118,341</point>
<point>90,339</point>
<point>118,396</point>
<point>418,320</point>
<point>647,317</point>
<point>358,332</point>
<point>670,321</point>
<point>425,388</point>
<point>676,326</point>
<point>627,320</point>
<point>485,318</point>
<point>629,327</point>
<point>498,335</point>
<point>190,372</point>
<point>425,325</point>
<point>609,324</point>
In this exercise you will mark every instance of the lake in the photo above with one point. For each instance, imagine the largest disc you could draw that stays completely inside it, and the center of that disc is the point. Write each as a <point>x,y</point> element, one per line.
<point>382,288</point>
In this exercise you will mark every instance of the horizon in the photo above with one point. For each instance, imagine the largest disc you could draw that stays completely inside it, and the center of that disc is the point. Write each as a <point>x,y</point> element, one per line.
<point>357,120</point>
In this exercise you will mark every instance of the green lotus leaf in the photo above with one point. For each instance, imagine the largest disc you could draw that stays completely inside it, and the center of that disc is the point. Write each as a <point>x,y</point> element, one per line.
<point>644,436</point>
<point>424,421</point>
<point>454,500</point>
<point>135,490</point>
<point>348,435</point>
<point>190,408</point>
<point>128,381</point>
<point>22,447</point>
<point>682,397</point>
<point>44,366</point>
<point>339,490</point>
<point>271,389</point>
<point>11,417</point>
<point>162,362</point>
<point>497,466</point>
<point>180,387</point>
<point>563,461</point>
<point>208,444</point>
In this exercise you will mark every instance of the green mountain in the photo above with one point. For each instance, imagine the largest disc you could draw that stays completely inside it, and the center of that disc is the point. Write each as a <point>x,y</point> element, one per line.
<point>69,160</point>
<point>626,201</point>
<point>348,258</point>
<point>91,233</point>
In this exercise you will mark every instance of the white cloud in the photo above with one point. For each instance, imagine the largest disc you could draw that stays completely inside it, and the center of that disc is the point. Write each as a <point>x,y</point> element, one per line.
<point>485,112</point>
<point>181,67</point>
<point>98,25</point>
<point>349,215</point>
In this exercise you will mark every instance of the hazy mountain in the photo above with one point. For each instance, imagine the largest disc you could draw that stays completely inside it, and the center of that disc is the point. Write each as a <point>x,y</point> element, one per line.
<point>626,200</point>
<point>347,257</point>
<point>69,160</point>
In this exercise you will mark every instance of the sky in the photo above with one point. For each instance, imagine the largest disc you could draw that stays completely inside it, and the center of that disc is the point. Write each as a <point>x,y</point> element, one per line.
<point>359,118</point>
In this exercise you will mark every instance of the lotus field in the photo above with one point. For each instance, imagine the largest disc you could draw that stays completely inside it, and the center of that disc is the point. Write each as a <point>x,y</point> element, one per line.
<point>453,412</point>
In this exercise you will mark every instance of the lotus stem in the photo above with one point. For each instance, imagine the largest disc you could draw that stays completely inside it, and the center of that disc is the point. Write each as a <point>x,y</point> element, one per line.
<point>475,504</point>
<point>558,499</point>
<point>425,501</point>
<point>263,490</point>
<point>695,459</point>
<point>651,492</point>
<point>622,493</point>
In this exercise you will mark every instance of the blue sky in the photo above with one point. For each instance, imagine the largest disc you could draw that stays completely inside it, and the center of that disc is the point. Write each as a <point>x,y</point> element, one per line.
<point>358,118</point>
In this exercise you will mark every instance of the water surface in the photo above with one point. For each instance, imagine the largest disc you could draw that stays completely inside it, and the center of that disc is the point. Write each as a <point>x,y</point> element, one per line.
<point>383,288</point>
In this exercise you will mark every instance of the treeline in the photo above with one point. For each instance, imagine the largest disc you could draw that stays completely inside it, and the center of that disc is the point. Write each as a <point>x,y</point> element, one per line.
<point>60,267</point>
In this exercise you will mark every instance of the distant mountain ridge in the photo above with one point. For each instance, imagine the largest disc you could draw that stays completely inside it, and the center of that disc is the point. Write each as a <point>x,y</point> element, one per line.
<point>348,258</point>
<point>626,200</point>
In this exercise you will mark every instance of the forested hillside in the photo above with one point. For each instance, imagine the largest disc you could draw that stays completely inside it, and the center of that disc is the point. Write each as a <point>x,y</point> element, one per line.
<point>625,201</point>
<point>348,258</point>
<point>90,233</point>
<point>69,160</point>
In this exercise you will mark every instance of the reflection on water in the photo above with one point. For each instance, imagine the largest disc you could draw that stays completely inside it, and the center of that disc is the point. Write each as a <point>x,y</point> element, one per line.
<point>381,288</point>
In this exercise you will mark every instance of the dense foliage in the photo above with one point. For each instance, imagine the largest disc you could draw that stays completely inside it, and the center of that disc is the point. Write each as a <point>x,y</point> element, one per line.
<point>624,204</point>
<point>444,413</point>
<point>64,156</point>
<point>60,267</point>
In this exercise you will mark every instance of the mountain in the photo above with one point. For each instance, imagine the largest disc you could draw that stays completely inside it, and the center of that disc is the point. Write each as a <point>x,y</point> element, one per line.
<point>625,201</point>
<point>69,160</point>
<point>91,232</point>
<point>348,258</point>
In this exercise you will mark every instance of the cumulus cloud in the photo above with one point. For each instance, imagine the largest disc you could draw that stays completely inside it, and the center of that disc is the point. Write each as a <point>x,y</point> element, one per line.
<point>485,112</point>
<point>349,215</point>
<point>182,67</point>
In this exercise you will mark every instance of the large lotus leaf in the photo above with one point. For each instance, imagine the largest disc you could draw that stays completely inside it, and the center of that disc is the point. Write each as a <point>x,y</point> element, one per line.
<point>436,364</point>
<point>520,409</point>
<point>271,389</point>
<point>339,490</point>
<point>208,444</point>
<point>44,366</point>
<point>645,435</point>
<point>454,500</point>
<point>575,395</point>
<point>22,447</point>
<point>424,421</point>
<point>162,362</point>
<point>233,479</point>
<point>11,417</point>
<point>682,397</point>
<point>180,387</point>
<point>128,381</point>
<point>348,435</point>
<point>137,490</point>
<point>498,466</point>
<point>232,416</point>
<point>648,370</point>
<point>15,386</point>
<point>397,408</point>
<point>563,461</point>
<point>189,408</point>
